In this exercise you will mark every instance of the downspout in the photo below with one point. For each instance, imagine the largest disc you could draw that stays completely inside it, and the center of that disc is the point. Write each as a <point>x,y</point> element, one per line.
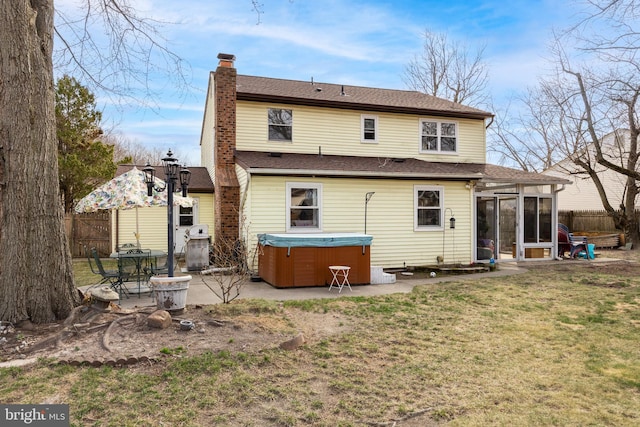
<point>246,190</point>
<point>555,220</point>
<point>240,215</point>
<point>490,123</point>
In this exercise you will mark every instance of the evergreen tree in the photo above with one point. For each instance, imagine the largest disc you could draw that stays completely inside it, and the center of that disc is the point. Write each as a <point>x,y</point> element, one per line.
<point>83,159</point>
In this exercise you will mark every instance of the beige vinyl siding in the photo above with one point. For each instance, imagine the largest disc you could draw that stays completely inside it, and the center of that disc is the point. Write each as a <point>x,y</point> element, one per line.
<point>206,210</point>
<point>208,130</point>
<point>152,223</point>
<point>390,217</point>
<point>152,226</point>
<point>338,132</point>
<point>583,194</point>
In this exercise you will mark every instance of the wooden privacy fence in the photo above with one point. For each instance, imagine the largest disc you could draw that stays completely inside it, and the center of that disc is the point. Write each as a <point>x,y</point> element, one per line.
<point>592,221</point>
<point>90,230</point>
<point>596,225</point>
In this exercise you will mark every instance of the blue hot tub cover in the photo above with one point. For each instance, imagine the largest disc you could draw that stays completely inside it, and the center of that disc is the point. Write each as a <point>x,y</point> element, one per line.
<point>320,240</point>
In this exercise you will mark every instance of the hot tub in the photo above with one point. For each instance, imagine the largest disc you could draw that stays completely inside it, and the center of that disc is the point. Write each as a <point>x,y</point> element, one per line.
<point>303,260</point>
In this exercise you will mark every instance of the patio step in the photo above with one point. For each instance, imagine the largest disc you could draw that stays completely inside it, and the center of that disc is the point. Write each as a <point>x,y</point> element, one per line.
<point>379,277</point>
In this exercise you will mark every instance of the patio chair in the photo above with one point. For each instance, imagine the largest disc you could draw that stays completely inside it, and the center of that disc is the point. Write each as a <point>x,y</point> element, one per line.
<point>133,264</point>
<point>159,265</point>
<point>115,278</point>
<point>567,242</point>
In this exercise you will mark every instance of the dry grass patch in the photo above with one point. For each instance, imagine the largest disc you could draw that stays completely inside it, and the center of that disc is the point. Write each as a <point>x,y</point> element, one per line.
<point>555,346</point>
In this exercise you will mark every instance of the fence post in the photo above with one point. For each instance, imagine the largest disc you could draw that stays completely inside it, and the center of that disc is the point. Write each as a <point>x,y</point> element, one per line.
<point>570,220</point>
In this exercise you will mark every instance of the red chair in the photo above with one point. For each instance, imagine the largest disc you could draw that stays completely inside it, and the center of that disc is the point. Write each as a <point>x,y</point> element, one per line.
<point>567,242</point>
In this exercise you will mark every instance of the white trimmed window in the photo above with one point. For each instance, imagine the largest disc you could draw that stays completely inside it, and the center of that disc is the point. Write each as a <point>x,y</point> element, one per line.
<point>369,129</point>
<point>428,210</point>
<point>438,136</point>
<point>280,124</point>
<point>304,206</point>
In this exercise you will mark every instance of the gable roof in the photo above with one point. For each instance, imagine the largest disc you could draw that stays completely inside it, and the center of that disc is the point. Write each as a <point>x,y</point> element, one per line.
<point>264,163</point>
<point>265,89</point>
<point>200,181</point>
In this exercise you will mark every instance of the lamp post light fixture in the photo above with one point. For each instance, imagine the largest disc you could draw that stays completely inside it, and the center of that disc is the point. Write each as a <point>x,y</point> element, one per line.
<point>171,166</point>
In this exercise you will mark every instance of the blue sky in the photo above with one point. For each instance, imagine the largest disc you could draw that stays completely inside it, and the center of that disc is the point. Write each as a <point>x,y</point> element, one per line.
<point>361,42</point>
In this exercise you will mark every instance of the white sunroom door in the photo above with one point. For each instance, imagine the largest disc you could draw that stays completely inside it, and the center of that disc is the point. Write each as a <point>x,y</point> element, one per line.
<point>496,227</point>
<point>183,219</point>
<point>486,228</point>
<point>508,226</point>
<point>538,236</point>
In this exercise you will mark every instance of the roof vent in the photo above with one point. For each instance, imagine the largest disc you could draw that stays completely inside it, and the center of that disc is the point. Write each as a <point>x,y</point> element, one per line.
<point>342,92</point>
<point>318,89</point>
<point>275,154</point>
<point>399,160</point>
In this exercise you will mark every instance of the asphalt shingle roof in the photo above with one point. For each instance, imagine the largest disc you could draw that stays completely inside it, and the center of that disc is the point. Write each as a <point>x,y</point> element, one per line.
<point>200,181</point>
<point>267,89</point>
<point>258,162</point>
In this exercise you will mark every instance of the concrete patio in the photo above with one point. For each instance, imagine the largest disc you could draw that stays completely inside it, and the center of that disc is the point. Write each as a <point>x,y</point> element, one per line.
<point>203,289</point>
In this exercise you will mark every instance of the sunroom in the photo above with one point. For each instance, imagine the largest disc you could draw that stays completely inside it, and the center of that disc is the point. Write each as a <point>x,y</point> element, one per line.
<point>516,217</point>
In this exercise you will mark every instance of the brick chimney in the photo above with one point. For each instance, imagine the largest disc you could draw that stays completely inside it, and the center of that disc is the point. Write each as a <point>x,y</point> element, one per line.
<point>227,188</point>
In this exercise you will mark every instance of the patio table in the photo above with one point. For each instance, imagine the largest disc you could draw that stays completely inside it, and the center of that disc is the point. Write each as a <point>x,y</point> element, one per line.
<point>138,256</point>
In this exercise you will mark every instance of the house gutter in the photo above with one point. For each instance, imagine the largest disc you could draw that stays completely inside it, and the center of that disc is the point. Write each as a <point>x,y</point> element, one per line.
<point>328,103</point>
<point>361,174</point>
<point>395,175</point>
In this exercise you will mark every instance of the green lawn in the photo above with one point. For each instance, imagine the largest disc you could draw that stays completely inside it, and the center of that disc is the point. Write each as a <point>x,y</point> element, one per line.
<point>84,276</point>
<point>556,346</point>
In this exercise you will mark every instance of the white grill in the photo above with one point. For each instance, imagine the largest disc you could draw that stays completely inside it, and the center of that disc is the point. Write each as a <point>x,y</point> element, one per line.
<point>197,248</point>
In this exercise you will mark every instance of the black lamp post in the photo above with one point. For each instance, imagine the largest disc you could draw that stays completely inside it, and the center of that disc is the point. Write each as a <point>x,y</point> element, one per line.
<point>171,166</point>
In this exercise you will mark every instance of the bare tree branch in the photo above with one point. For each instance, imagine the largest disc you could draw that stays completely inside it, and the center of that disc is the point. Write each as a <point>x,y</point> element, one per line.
<point>588,115</point>
<point>118,52</point>
<point>448,70</point>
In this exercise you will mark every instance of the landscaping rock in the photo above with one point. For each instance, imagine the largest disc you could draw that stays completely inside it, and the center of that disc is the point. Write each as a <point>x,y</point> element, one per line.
<point>160,319</point>
<point>293,343</point>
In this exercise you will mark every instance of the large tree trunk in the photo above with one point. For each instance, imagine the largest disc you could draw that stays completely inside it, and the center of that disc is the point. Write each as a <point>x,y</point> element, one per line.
<point>631,229</point>
<point>36,280</point>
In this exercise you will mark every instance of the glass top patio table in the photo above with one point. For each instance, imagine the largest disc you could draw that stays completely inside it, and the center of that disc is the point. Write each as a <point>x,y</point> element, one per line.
<point>139,253</point>
<point>137,256</point>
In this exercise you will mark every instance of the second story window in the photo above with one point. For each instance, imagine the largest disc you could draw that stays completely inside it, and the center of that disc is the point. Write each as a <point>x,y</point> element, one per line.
<point>280,124</point>
<point>369,129</point>
<point>438,136</point>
